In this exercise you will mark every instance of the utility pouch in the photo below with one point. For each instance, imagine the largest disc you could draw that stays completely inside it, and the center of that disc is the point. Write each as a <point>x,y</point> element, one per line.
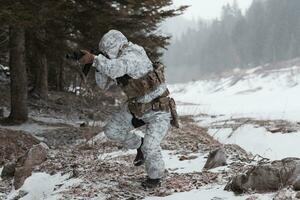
<point>138,109</point>
<point>175,119</point>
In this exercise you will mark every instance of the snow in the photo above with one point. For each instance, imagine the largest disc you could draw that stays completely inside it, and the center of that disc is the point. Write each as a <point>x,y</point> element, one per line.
<point>67,120</point>
<point>271,94</point>
<point>171,159</point>
<point>36,128</point>
<point>44,186</point>
<point>173,163</point>
<point>214,192</point>
<point>29,127</point>
<point>274,146</point>
<point>1,168</point>
<point>256,93</point>
<point>116,154</point>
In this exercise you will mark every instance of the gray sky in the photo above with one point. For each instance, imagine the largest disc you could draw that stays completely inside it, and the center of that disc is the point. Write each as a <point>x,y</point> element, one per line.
<point>208,9</point>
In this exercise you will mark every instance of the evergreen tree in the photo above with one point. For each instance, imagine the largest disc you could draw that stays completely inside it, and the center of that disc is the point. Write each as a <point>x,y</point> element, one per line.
<point>49,29</point>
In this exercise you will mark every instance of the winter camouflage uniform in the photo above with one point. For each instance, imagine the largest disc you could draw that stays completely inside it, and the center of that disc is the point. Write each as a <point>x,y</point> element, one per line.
<point>120,59</point>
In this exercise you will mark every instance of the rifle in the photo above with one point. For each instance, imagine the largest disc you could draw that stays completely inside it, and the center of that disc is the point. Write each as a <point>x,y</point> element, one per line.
<point>76,55</point>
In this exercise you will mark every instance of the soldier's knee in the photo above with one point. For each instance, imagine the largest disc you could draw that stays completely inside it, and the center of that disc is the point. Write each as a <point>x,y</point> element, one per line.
<point>149,149</point>
<point>111,132</point>
<point>144,149</point>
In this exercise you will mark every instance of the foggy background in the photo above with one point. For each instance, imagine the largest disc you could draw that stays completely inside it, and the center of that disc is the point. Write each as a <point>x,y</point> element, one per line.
<point>218,36</point>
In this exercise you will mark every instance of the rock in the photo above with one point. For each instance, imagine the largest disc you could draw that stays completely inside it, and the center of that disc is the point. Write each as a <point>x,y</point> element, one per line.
<point>84,124</point>
<point>267,177</point>
<point>1,112</point>
<point>183,157</point>
<point>14,144</point>
<point>285,194</point>
<point>20,194</point>
<point>216,158</point>
<point>298,195</point>
<point>8,170</point>
<point>20,176</point>
<point>297,184</point>
<point>60,101</point>
<point>25,164</point>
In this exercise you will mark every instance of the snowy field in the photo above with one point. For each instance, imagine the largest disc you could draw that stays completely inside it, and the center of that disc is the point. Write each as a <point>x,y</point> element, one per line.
<point>214,192</point>
<point>261,94</point>
<point>257,94</point>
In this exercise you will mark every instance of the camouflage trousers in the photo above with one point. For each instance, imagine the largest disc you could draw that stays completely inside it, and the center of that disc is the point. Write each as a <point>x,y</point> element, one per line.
<point>157,124</point>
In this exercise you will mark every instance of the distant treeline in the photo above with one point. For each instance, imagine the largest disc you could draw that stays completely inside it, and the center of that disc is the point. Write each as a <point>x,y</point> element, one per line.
<point>268,32</point>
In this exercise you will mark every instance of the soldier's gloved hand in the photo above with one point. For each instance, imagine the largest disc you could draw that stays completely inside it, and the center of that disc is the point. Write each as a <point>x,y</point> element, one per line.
<point>88,58</point>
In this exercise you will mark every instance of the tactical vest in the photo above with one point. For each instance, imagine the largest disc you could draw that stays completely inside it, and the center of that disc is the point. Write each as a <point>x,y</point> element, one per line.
<point>135,88</point>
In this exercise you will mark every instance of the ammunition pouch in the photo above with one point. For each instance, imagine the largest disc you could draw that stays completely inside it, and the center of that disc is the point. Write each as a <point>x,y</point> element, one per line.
<point>135,88</point>
<point>175,119</point>
<point>162,103</point>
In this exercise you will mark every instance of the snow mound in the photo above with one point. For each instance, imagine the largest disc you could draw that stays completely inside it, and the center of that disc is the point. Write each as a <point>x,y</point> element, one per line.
<point>44,186</point>
<point>258,140</point>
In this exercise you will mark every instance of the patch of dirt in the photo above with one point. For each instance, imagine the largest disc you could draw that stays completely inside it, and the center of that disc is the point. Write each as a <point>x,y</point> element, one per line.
<point>68,136</point>
<point>273,126</point>
<point>188,138</point>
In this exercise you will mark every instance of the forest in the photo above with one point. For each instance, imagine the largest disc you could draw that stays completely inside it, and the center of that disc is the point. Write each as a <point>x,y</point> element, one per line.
<point>36,36</point>
<point>268,32</point>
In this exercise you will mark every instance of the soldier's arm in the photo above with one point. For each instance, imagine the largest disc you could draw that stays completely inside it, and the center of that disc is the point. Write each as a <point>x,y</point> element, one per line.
<point>103,81</point>
<point>133,62</point>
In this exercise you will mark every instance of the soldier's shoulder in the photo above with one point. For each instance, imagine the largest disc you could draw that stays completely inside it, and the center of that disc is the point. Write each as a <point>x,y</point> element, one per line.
<point>131,47</point>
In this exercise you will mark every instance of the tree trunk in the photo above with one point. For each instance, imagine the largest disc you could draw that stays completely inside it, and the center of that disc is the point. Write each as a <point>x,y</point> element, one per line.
<point>41,79</point>
<point>60,77</point>
<point>18,75</point>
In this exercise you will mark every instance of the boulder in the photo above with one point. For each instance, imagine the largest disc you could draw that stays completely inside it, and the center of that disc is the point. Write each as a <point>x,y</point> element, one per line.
<point>14,144</point>
<point>297,184</point>
<point>285,194</point>
<point>216,158</point>
<point>298,195</point>
<point>267,177</point>
<point>8,170</point>
<point>25,164</point>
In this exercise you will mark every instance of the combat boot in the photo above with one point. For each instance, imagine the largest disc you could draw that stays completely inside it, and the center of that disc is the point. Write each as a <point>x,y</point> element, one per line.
<point>151,183</point>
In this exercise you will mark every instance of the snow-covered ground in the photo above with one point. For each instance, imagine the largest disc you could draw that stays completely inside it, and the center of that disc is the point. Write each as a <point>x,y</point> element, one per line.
<point>272,94</point>
<point>213,192</point>
<point>172,160</point>
<point>44,186</point>
<point>258,140</point>
<point>258,94</point>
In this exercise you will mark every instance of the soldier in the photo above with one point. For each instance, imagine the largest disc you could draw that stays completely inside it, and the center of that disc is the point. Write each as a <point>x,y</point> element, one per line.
<point>148,104</point>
